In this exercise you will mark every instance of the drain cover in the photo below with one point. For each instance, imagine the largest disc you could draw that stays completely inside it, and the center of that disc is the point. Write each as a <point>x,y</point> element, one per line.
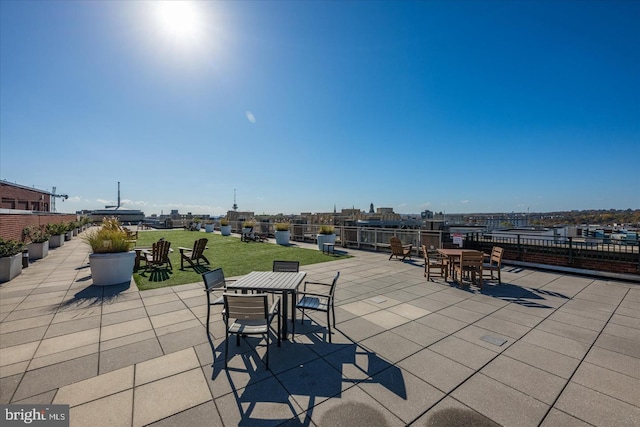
<point>377,300</point>
<point>492,339</point>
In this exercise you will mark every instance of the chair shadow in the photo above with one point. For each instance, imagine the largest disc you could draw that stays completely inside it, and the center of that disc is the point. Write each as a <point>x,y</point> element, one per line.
<point>158,274</point>
<point>311,381</point>
<point>197,268</point>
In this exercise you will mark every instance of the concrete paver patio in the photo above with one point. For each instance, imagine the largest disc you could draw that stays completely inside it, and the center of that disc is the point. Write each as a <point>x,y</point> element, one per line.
<point>543,348</point>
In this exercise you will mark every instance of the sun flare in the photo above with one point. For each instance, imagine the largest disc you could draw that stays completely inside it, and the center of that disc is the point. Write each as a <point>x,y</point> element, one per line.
<point>180,20</point>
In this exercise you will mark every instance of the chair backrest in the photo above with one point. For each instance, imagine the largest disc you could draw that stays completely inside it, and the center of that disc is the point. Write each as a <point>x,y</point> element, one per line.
<point>449,245</point>
<point>471,259</point>
<point>213,279</point>
<point>333,285</point>
<point>286,266</point>
<point>198,248</point>
<point>160,251</point>
<point>396,245</point>
<point>246,306</point>
<point>496,256</point>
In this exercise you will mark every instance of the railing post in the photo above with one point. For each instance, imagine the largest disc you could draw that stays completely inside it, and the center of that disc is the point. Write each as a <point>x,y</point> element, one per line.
<point>519,249</point>
<point>570,249</point>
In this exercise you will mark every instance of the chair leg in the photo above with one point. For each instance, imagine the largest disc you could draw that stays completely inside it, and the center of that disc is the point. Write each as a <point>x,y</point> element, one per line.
<point>267,364</point>
<point>328,326</point>
<point>333,309</point>
<point>280,328</point>
<point>226,348</point>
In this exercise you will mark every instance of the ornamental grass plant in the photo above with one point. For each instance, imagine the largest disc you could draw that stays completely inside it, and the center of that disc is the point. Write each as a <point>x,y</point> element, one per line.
<point>282,226</point>
<point>110,238</point>
<point>326,229</point>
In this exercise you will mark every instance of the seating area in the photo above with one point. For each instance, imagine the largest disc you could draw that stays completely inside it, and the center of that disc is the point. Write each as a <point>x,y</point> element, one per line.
<point>541,348</point>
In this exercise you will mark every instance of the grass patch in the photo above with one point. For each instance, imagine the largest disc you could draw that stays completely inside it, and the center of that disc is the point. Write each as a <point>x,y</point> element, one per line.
<point>235,257</point>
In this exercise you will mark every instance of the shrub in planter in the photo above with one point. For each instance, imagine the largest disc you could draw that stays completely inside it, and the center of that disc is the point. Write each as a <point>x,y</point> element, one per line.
<point>57,232</point>
<point>10,259</point>
<point>38,241</point>
<point>282,233</point>
<point>112,260</point>
<point>225,227</point>
<point>326,234</point>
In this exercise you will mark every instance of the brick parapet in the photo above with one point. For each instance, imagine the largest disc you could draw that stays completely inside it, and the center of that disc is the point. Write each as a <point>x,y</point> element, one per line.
<point>11,225</point>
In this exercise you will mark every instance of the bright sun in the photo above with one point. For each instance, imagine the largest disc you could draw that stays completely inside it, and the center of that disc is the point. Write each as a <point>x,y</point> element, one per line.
<point>180,20</point>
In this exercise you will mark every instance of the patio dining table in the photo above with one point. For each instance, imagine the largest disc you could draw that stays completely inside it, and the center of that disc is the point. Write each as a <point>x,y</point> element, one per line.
<point>453,255</point>
<point>285,283</point>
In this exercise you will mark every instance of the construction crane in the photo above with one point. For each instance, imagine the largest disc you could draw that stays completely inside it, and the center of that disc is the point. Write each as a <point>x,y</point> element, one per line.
<point>53,199</point>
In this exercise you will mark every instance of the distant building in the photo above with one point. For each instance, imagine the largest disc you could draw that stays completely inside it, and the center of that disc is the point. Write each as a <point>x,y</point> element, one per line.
<point>125,216</point>
<point>20,197</point>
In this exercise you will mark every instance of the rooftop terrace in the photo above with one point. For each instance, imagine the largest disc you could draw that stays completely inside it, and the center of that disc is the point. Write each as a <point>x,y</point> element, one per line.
<point>541,349</point>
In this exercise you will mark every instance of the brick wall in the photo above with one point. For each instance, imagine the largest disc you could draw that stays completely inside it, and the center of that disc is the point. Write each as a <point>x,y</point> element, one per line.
<point>625,264</point>
<point>22,198</point>
<point>11,225</point>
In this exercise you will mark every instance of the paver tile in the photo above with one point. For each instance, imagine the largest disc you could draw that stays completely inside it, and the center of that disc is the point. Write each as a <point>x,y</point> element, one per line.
<point>159,399</point>
<point>500,402</point>
<point>96,387</point>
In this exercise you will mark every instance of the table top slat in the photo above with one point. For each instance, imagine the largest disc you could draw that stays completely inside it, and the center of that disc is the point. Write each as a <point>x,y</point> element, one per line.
<point>269,280</point>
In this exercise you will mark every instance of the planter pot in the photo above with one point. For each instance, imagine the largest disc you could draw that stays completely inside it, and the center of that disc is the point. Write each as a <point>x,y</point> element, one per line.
<point>10,267</point>
<point>208,228</point>
<point>67,235</point>
<point>74,232</point>
<point>325,238</point>
<point>112,269</point>
<point>282,237</point>
<point>56,241</point>
<point>38,250</point>
<point>225,230</point>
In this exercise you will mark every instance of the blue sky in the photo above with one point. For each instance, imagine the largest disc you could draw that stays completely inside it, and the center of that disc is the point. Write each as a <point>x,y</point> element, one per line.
<point>454,106</point>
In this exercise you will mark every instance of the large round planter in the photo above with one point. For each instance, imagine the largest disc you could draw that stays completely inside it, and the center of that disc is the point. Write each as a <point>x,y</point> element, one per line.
<point>56,240</point>
<point>112,269</point>
<point>38,250</point>
<point>208,228</point>
<point>325,238</point>
<point>282,237</point>
<point>10,267</point>
<point>225,230</point>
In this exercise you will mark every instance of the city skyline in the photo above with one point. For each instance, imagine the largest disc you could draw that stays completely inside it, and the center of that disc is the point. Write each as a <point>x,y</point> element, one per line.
<point>452,106</point>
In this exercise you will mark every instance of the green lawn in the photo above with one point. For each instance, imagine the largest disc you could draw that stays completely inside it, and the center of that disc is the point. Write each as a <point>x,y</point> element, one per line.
<point>235,257</point>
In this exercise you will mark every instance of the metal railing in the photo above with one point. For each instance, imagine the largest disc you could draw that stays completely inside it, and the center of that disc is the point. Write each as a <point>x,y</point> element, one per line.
<point>552,251</point>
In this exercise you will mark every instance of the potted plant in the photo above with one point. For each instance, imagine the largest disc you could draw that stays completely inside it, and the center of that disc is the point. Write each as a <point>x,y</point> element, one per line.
<point>208,226</point>
<point>56,231</point>
<point>225,227</point>
<point>197,224</point>
<point>282,233</point>
<point>38,239</point>
<point>10,259</point>
<point>326,234</point>
<point>75,227</point>
<point>69,231</point>
<point>112,260</point>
